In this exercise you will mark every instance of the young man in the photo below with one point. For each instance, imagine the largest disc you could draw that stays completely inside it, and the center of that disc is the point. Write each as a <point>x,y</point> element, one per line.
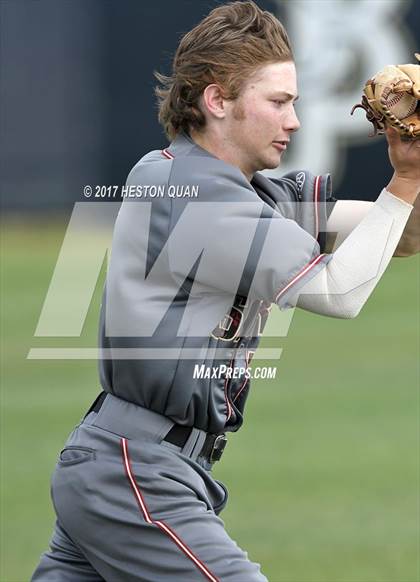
<point>190,283</point>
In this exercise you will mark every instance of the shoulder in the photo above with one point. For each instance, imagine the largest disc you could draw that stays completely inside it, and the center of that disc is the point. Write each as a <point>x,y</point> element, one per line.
<point>213,179</point>
<point>152,166</point>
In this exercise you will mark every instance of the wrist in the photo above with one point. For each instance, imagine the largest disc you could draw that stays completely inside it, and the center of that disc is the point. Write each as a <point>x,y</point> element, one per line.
<point>404,187</point>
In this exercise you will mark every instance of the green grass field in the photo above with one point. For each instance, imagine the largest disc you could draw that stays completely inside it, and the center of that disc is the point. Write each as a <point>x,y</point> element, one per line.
<point>324,475</point>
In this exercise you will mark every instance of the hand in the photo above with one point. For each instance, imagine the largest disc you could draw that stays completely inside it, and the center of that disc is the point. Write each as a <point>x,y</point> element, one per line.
<point>405,159</point>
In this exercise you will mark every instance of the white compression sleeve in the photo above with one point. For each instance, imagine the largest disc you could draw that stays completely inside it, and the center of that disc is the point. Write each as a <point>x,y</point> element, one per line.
<point>344,285</point>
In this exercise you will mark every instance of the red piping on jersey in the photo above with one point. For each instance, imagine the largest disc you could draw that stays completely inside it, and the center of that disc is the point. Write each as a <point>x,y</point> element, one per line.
<point>167,154</point>
<point>317,188</point>
<point>299,276</point>
<point>228,405</point>
<point>160,524</point>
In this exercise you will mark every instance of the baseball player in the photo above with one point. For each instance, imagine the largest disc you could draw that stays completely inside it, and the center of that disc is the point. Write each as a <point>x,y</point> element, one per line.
<point>190,283</point>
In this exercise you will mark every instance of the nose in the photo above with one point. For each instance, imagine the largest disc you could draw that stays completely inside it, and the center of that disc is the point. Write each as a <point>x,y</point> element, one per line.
<point>292,122</point>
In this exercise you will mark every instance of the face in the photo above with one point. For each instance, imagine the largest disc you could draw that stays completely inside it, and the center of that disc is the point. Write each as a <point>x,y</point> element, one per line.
<point>259,123</point>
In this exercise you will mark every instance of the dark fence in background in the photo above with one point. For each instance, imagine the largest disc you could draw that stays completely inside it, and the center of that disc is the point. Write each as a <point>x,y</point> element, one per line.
<point>77,103</point>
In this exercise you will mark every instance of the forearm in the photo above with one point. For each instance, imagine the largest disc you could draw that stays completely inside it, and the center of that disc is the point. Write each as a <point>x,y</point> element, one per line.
<point>405,183</point>
<point>343,287</point>
<point>409,243</point>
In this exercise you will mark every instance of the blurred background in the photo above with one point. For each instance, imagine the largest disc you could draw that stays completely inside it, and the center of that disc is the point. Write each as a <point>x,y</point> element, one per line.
<point>324,476</point>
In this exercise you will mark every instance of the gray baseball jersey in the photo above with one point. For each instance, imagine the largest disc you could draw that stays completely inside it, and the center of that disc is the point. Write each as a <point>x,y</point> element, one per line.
<point>201,273</point>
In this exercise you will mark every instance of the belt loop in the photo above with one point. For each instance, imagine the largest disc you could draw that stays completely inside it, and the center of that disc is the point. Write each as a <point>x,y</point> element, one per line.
<point>194,443</point>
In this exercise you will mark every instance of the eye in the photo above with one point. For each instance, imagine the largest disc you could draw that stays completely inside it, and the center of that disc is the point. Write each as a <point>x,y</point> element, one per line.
<point>279,102</point>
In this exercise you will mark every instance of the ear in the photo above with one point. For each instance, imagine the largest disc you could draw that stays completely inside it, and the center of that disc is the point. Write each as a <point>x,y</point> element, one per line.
<point>213,101</point>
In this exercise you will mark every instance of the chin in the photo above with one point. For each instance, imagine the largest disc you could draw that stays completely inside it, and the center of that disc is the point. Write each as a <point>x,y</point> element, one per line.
<point>271,164</point>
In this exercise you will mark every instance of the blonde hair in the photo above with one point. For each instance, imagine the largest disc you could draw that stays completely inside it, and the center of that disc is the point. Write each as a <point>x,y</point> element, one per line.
<point>225,48</point>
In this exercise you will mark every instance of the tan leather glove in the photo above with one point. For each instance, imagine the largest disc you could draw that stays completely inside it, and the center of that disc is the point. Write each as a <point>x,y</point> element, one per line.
<point>392,98</point>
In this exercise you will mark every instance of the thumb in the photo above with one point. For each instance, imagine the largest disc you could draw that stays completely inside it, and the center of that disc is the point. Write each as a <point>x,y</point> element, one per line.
<point>392,135</point>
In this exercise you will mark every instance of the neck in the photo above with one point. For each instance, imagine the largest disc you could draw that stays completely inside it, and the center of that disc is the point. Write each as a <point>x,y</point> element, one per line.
<point>221,147</point>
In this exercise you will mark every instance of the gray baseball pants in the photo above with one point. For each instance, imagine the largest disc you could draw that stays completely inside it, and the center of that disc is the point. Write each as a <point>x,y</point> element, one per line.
<point>133,507</point>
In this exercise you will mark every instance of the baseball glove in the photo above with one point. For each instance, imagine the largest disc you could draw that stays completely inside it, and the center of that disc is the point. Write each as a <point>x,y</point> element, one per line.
<point>391,98</point>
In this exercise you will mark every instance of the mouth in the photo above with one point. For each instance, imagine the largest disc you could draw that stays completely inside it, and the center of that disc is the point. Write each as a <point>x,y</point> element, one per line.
<point>280,145</point>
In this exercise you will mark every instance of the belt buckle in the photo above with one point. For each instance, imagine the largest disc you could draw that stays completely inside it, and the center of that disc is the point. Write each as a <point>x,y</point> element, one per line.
<point>217,448</point>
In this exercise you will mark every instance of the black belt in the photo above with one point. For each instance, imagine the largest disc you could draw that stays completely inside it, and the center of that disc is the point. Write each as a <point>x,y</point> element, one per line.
<point>213,446</point>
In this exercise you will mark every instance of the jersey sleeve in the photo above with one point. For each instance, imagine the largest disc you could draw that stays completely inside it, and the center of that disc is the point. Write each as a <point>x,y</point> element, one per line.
<point>311,198</point>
